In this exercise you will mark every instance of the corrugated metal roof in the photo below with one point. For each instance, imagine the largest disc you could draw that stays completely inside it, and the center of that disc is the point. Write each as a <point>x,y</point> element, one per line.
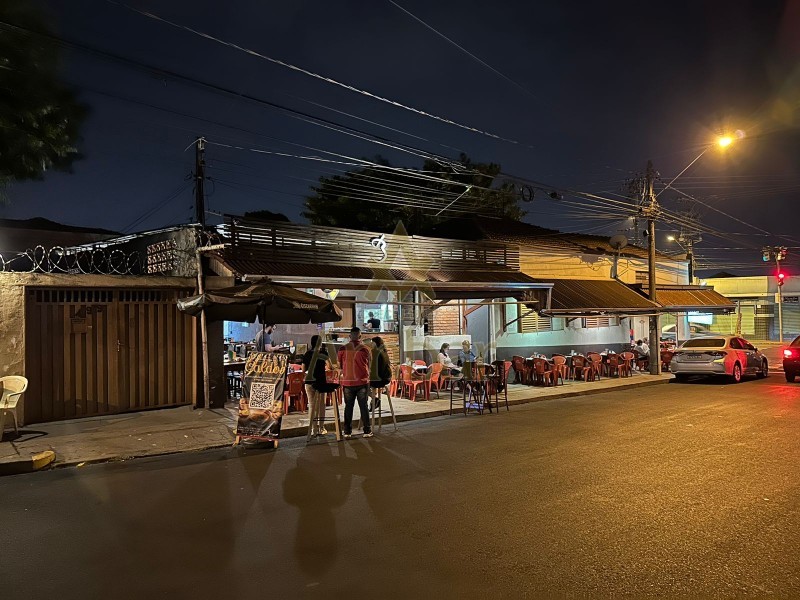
<point>691,298</point>
<point>596,296</point>
<point>444,284</point>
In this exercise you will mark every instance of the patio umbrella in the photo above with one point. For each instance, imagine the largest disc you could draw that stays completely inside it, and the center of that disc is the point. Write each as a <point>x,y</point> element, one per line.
<point>268,302</point>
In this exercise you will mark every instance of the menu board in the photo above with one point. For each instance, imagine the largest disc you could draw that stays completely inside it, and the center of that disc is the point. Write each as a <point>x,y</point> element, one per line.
<point>261,404</point>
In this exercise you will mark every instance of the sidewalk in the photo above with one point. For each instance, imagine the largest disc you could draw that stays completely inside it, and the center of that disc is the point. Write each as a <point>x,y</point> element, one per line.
<point>172,430</point>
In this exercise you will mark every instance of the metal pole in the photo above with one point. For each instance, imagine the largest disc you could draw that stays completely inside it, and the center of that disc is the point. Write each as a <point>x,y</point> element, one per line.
<point>690,260</point>
<point>780,298</point>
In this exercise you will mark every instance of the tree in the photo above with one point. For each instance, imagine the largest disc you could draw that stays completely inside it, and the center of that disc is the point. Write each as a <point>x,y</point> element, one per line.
<point>266,215</point>
<point>376,198</point>
<point>40,117</point>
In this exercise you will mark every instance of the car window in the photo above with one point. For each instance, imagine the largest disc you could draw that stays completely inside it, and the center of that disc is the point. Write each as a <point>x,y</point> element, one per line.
<point>704,343</point>
<point>736,344</point>
<point>796,341</point>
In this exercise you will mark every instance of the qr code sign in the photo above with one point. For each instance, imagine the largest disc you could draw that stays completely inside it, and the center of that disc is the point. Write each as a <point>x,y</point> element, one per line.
<point>262,395</point>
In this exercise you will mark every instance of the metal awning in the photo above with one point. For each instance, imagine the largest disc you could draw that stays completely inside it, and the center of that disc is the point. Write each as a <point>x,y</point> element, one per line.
<point>596,297</point>
<point>436,284</point>
<point>685,298</point>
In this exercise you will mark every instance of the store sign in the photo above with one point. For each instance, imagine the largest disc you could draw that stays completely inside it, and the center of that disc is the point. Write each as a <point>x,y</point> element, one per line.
<point>261,406</point>
<point>379,243</point>
<point>791,299</point>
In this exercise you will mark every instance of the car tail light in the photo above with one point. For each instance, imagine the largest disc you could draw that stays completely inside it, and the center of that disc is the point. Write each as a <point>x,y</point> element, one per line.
<point>790,353</point>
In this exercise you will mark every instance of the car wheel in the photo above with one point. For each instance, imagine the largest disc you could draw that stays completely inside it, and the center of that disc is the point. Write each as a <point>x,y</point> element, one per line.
<point>764,370</point>
<point>682,377</point>
<point>737,373</point>
<point>790,377</point>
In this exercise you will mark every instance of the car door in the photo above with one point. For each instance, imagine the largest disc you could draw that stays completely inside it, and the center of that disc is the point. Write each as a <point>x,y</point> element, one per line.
<point>749,358</point>
<point>754,356</point>
<point>738,354</point>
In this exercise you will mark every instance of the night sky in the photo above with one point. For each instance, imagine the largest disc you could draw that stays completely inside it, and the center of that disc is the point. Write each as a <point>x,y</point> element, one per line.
<point>592,90</point>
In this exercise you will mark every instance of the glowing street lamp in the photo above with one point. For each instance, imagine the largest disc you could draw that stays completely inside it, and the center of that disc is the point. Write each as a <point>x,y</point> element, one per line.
<point>724,141</point>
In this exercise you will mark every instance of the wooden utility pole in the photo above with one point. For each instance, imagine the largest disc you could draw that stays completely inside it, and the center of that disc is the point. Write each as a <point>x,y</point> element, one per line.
<point>200,209</point>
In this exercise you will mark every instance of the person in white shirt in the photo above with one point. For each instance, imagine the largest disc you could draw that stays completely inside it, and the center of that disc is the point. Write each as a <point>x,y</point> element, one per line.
<point>444,359</point>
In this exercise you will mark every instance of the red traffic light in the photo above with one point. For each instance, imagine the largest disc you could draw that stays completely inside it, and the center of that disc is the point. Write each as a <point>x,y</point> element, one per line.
<point>781,278</point>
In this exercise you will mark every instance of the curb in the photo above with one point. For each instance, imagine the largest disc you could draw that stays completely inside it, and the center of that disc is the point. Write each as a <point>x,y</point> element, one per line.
<point>23,466</point>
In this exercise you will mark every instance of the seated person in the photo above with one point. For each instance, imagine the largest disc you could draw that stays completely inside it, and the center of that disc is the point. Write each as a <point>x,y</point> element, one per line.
<point>446,361</point>
<point>642,352</point>
<point>466,355</point>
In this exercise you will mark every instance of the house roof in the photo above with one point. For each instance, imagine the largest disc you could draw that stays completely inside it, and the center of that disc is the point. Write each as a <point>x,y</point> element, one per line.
<point>527,234</point>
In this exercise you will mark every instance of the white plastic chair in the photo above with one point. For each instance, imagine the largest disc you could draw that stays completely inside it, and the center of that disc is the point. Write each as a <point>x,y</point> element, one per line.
<point>12,386</point>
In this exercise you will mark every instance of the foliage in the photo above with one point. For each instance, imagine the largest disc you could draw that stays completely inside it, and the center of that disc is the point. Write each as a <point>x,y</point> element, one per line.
<point>376,198</point>
<point>40,117</point>
<point>266,215</point>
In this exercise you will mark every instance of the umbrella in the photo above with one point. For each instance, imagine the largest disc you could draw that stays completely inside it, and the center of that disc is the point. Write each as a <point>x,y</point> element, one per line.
<point>268,302</point>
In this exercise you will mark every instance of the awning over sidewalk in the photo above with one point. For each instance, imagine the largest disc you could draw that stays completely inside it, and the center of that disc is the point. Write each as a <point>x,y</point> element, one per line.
<point>685,298</point>
<point>437,284</point>
<point>592,297</point>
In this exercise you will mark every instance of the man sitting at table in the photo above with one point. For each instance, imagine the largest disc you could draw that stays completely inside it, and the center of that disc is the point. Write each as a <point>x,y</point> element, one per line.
<point>642,354</point>
<point>466,355</point>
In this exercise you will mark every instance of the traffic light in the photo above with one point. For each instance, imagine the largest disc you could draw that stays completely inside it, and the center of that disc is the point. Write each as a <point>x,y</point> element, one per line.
<point>781,278</point>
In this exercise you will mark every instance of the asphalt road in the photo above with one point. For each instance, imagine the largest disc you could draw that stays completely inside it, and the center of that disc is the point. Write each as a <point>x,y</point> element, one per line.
<point>671,491</point>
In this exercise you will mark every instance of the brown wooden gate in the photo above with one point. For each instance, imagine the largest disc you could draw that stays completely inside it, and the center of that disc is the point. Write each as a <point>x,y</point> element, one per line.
<point>100,351</point>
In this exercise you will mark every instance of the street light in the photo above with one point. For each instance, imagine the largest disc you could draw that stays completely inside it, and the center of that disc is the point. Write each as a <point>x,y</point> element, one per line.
<point>722,142</point>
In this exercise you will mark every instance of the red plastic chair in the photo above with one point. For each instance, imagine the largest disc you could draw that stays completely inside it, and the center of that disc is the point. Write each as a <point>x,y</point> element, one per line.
<point>518,362</point>
<point>542,372</point>
<point>434,378</point>
<point>581,366</point>
<point>295,393</point>
<point>560,367</point>
<point>411,382</point>
<point>626,365</point>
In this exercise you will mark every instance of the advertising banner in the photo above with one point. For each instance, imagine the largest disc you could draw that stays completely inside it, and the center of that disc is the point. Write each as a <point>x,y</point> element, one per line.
<point>261,405</point>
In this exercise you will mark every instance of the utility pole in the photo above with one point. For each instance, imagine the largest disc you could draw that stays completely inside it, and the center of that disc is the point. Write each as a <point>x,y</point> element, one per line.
<point>690,259</point>
<point>199,178</point>
<point>200,211</point>
<point>650,210</point>
<point>779,254</point>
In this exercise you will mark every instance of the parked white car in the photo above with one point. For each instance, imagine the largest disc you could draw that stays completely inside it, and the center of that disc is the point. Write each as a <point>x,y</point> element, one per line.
<point>718,355</point>
<point>695,330</point>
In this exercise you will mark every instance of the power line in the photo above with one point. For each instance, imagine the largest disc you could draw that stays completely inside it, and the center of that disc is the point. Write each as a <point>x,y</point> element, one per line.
<point>465,51</point>
<point>311,73</point>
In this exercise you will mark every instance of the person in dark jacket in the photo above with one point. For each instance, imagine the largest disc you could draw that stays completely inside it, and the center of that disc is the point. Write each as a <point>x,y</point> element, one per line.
<point>380,370</point>
<point>314,363</point>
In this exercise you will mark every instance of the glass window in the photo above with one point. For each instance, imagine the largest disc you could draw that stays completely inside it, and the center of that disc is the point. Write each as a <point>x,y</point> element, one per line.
<point>736,344</point>
<point>705,343</point>
<point>796,341</point>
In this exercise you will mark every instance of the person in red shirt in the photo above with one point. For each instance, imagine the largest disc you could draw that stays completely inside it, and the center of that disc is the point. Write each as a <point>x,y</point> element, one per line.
<point>354,359</point>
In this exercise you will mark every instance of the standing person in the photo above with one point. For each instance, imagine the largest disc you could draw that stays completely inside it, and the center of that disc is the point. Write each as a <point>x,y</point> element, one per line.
<point>354,359</point>
<point>264,339</point>
<point>373,323</point>
<point>380,370</point>
<point>314,361</point>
